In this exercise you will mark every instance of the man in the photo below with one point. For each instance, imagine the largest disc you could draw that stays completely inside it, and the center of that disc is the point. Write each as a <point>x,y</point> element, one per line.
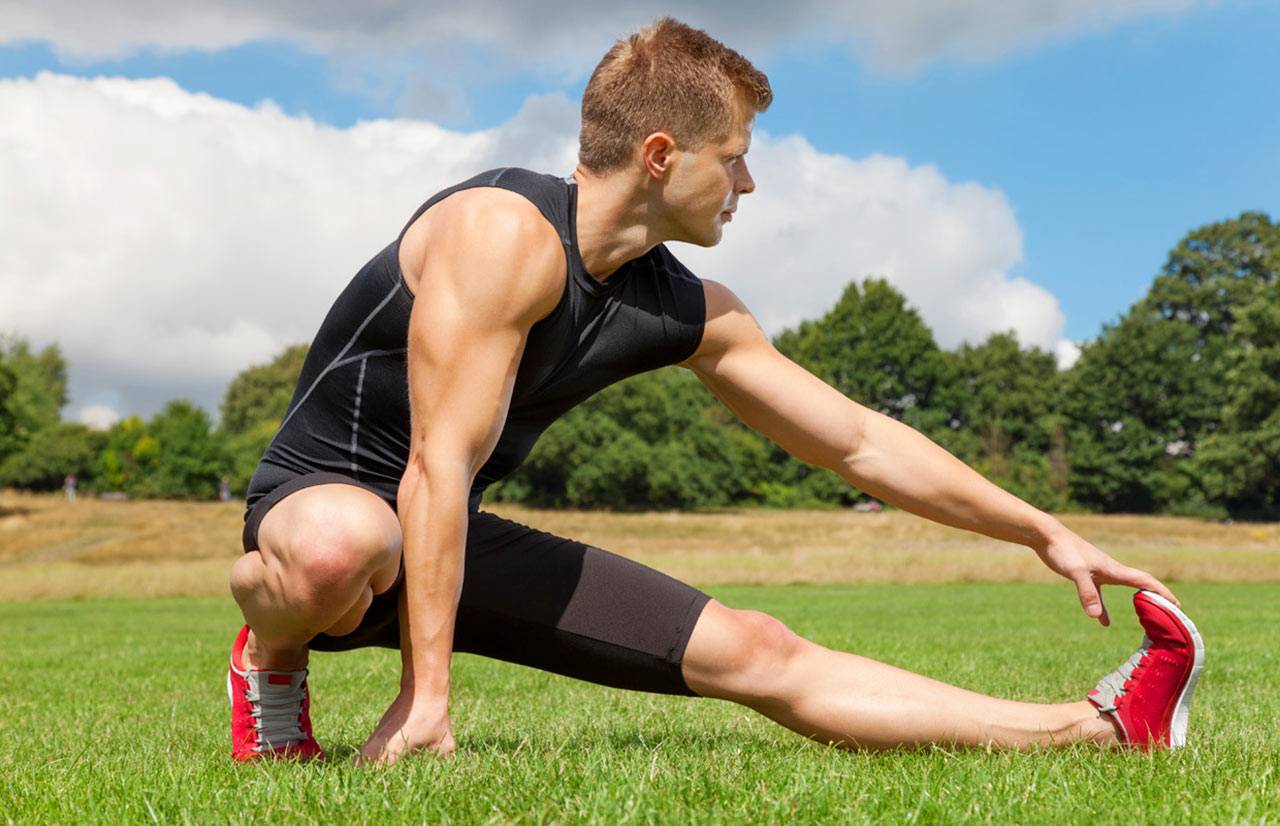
<point>508,299</point>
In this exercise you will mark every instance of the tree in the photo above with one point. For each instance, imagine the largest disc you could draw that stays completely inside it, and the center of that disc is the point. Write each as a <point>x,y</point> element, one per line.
<point>8,415</point>
<point>1240,462</point>
<point>189,461</point>
<point>128,455</point>
<point>1143,397</point>
<point>252,408</point>
<point>176,455</point>
<point>261,393</point>
<point>656,440</point>
<point>51,454</point>
<point>1005,418</point>
<point>35,395</point>
<point>875,349</point>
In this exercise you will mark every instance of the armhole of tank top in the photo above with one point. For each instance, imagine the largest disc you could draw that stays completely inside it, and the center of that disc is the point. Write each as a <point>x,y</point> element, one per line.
<point>493,184</point>
<point>701,320</point>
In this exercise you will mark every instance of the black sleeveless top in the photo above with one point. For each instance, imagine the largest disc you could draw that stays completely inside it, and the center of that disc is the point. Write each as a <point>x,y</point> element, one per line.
<point>350,411</point>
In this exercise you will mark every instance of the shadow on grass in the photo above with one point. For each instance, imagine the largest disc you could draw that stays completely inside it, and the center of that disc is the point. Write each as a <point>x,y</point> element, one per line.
<point>13,510</point>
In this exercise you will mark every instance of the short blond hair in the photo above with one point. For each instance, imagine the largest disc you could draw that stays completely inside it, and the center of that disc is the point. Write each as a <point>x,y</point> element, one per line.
<point>667,77</point>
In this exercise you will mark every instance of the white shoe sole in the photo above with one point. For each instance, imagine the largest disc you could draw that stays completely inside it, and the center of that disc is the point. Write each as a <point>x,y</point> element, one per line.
<point>1182,712</point>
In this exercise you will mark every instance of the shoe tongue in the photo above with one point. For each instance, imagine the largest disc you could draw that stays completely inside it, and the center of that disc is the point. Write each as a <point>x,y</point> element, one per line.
<point>277,681</point>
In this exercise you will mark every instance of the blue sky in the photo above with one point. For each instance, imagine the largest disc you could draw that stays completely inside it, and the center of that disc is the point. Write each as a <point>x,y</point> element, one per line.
<point>1108,144</point>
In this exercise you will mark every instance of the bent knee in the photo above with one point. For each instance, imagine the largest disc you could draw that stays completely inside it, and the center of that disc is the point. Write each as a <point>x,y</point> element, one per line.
<point>736,653</point>
<point>335,540</point>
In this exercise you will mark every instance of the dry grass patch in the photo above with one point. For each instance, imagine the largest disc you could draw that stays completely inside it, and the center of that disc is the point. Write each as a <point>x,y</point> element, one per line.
<point>52,548</point>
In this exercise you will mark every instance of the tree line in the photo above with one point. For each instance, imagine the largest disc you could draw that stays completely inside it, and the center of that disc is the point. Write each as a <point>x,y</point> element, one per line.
<point>1174,408</point>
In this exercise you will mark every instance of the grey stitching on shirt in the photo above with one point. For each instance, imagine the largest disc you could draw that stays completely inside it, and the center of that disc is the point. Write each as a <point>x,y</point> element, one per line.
<point>337,360</point>
<point>355,417</point>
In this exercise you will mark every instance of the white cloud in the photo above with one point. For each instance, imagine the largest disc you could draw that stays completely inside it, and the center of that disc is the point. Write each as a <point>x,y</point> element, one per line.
<point>98,416</point>
<point>1067,352</point>
<point>817,221</point>
<point>571,35</point>
<point>167,240</point>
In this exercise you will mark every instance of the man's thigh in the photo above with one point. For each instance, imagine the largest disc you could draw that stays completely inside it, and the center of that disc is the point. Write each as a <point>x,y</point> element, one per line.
<point>559,605</point>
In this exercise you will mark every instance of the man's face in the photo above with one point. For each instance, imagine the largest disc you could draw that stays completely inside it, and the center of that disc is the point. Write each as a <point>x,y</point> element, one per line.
<point>705,185</point>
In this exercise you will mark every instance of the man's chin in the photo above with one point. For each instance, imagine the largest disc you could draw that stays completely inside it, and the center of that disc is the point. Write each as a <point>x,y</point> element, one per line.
<point>716,236</point>
<point>708,239</point>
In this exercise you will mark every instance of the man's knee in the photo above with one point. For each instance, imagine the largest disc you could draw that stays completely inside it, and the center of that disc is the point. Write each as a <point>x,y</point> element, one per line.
<point>739,654</point>
<point>333,539</point>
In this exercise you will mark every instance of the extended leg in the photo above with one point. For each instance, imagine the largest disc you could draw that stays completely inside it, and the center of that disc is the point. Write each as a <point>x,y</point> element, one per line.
<point>855,702</point>
<point>324,551</point>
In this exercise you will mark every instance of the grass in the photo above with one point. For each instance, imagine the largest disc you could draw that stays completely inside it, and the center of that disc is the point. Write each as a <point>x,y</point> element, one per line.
<point>114,710</point>
<point>51,549</point>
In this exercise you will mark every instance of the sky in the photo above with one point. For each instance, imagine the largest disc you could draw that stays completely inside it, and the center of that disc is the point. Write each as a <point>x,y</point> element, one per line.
<point>186,186</point>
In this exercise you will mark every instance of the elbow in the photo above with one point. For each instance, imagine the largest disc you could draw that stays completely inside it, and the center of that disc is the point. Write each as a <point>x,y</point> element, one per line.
<point>855,447</point>
<point>429,462</point>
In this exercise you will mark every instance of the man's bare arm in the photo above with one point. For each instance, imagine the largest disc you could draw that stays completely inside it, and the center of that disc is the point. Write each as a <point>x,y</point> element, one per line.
<point>491,266</point>
<point>817,424</point>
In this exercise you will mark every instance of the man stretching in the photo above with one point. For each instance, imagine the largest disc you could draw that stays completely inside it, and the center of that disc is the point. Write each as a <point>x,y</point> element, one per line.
<point>505,301</point>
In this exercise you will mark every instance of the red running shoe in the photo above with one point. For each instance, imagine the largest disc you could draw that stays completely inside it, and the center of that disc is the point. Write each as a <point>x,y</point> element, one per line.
<point>1149,697</point>
<point>270,711</point>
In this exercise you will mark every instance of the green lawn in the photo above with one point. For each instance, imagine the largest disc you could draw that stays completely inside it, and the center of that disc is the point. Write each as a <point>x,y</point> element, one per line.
<point>115,710</point>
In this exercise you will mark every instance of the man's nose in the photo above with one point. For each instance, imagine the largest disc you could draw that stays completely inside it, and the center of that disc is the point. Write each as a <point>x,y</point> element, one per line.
<point>745,182</point>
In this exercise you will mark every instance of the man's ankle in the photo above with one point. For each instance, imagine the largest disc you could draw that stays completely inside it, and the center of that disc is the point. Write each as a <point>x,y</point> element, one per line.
<point>272,658</point>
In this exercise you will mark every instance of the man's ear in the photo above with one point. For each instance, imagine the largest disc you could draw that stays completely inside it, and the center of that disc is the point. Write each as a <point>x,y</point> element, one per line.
<point>657,152</point>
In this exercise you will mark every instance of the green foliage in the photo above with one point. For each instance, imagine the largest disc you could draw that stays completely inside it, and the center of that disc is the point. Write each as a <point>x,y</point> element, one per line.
<point>188,460</point>
<point>252,408</point>
<point>1240,462</point>
<point>875,349</point>
<point>8,416</point>
<point>1151,388</point>
<point>1005,418</point>
<point>657,440</point>
<point>1174,408</point>
<point>44,462</point>
<point>262,392</point>
<point>177,455</point>
<point>125,456</point>
<point>33,391</point>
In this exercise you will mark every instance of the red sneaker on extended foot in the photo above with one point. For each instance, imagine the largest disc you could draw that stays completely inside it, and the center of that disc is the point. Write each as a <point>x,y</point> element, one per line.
<point>270,711</point>
<point>1149,697</point>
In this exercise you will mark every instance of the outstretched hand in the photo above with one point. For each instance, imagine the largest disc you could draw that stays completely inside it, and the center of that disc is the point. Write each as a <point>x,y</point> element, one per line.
<point>407,727</point>
<point>1089,568</point>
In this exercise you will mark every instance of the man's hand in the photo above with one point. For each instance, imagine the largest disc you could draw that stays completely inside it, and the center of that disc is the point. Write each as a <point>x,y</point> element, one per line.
<point>1089,568</point>
<point>409,726</point>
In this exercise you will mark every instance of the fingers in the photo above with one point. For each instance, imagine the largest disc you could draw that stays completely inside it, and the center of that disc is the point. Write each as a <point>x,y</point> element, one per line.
<point>382,750</point>
<point>1091,598</point>
<point>1124,575</point>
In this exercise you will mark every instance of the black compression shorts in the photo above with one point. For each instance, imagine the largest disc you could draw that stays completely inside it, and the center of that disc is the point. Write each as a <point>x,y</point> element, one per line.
<point>537,599</point>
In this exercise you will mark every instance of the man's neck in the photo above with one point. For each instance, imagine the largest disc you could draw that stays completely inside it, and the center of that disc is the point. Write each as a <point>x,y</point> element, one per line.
<point>615,222</point>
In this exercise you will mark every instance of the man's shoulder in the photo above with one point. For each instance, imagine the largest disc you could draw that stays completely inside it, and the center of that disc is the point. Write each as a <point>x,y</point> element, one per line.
<point>492,232</point>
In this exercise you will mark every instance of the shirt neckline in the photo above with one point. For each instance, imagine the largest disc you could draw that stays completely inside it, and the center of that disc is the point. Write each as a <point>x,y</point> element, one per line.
<point>590,283</point>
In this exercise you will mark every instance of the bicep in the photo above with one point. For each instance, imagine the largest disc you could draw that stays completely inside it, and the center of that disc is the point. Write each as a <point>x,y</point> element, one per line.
<point>486,281</point>
<point>461,373</point>
<point>772,394</point>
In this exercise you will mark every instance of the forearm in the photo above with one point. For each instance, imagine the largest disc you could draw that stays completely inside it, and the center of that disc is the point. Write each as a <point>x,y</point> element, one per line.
<point>901,466</point>
<point>433,515</point>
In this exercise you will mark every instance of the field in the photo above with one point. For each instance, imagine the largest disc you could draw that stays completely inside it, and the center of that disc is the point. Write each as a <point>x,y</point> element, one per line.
<point>50,548</point>
<point>113,707</point>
